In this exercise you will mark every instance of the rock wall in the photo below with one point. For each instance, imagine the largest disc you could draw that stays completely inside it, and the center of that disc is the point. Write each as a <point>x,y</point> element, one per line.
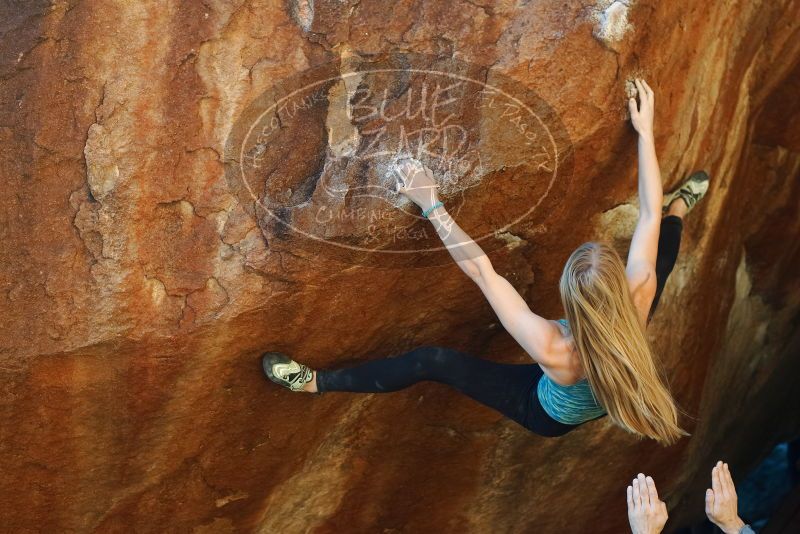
<point>140,282</point>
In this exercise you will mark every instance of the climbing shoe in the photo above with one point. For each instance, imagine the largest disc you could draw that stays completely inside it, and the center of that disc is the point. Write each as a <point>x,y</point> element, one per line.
<point>285,371</point>
<point>691,191</point>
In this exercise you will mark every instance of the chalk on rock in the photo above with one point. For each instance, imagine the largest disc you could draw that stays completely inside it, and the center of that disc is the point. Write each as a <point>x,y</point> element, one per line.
<point>611,20</point>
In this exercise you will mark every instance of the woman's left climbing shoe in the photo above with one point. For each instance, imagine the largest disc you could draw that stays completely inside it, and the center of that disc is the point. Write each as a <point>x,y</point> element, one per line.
<point>285,371</point>
<point>691,191</point>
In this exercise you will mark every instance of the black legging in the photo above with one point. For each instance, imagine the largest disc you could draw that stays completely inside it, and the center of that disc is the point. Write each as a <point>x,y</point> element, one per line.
<point>669,242</point>
<point>507,388</point>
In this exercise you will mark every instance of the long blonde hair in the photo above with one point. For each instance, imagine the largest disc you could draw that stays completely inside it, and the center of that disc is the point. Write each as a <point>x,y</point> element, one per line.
<point>612,347</point>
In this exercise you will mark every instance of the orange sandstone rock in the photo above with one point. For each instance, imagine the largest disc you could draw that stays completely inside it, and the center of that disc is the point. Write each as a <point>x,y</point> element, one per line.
<point>141,277</point>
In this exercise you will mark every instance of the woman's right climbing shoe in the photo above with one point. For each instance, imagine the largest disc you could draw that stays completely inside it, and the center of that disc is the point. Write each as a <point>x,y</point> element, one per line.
<point>285,371</point>
<point>691,191</point>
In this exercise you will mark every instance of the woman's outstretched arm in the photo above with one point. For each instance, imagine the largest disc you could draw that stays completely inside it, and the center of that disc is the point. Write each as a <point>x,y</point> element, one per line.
<point>532,332</point>
<point>641,265</point>
<point>650,189</point>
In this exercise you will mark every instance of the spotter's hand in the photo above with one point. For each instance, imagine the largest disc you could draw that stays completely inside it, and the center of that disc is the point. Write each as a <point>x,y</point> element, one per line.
<point>647,514</point>
<point>721,500</point>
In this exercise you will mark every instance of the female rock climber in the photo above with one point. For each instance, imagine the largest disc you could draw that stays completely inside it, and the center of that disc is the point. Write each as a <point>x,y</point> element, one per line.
<point>593,363</point>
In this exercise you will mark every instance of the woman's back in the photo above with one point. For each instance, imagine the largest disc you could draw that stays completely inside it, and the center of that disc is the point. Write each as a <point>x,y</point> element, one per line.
<point>570,404</point>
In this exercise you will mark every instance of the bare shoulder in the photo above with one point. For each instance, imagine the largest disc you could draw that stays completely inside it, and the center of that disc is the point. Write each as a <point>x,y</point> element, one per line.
<point>562,362</point>
<point>642,284</point>
<point>550,343</point>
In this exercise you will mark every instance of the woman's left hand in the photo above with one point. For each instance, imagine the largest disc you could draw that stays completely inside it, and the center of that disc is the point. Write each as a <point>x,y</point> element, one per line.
<point>417,183</point>
<point>642,117</point>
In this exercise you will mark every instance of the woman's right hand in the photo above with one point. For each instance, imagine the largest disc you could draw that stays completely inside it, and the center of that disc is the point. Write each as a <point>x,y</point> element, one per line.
<point>417,183</point>
<point>642,117</point>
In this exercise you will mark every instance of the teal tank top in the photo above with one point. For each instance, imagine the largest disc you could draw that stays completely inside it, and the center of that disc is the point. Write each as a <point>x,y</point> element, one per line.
<point>572,404</point>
